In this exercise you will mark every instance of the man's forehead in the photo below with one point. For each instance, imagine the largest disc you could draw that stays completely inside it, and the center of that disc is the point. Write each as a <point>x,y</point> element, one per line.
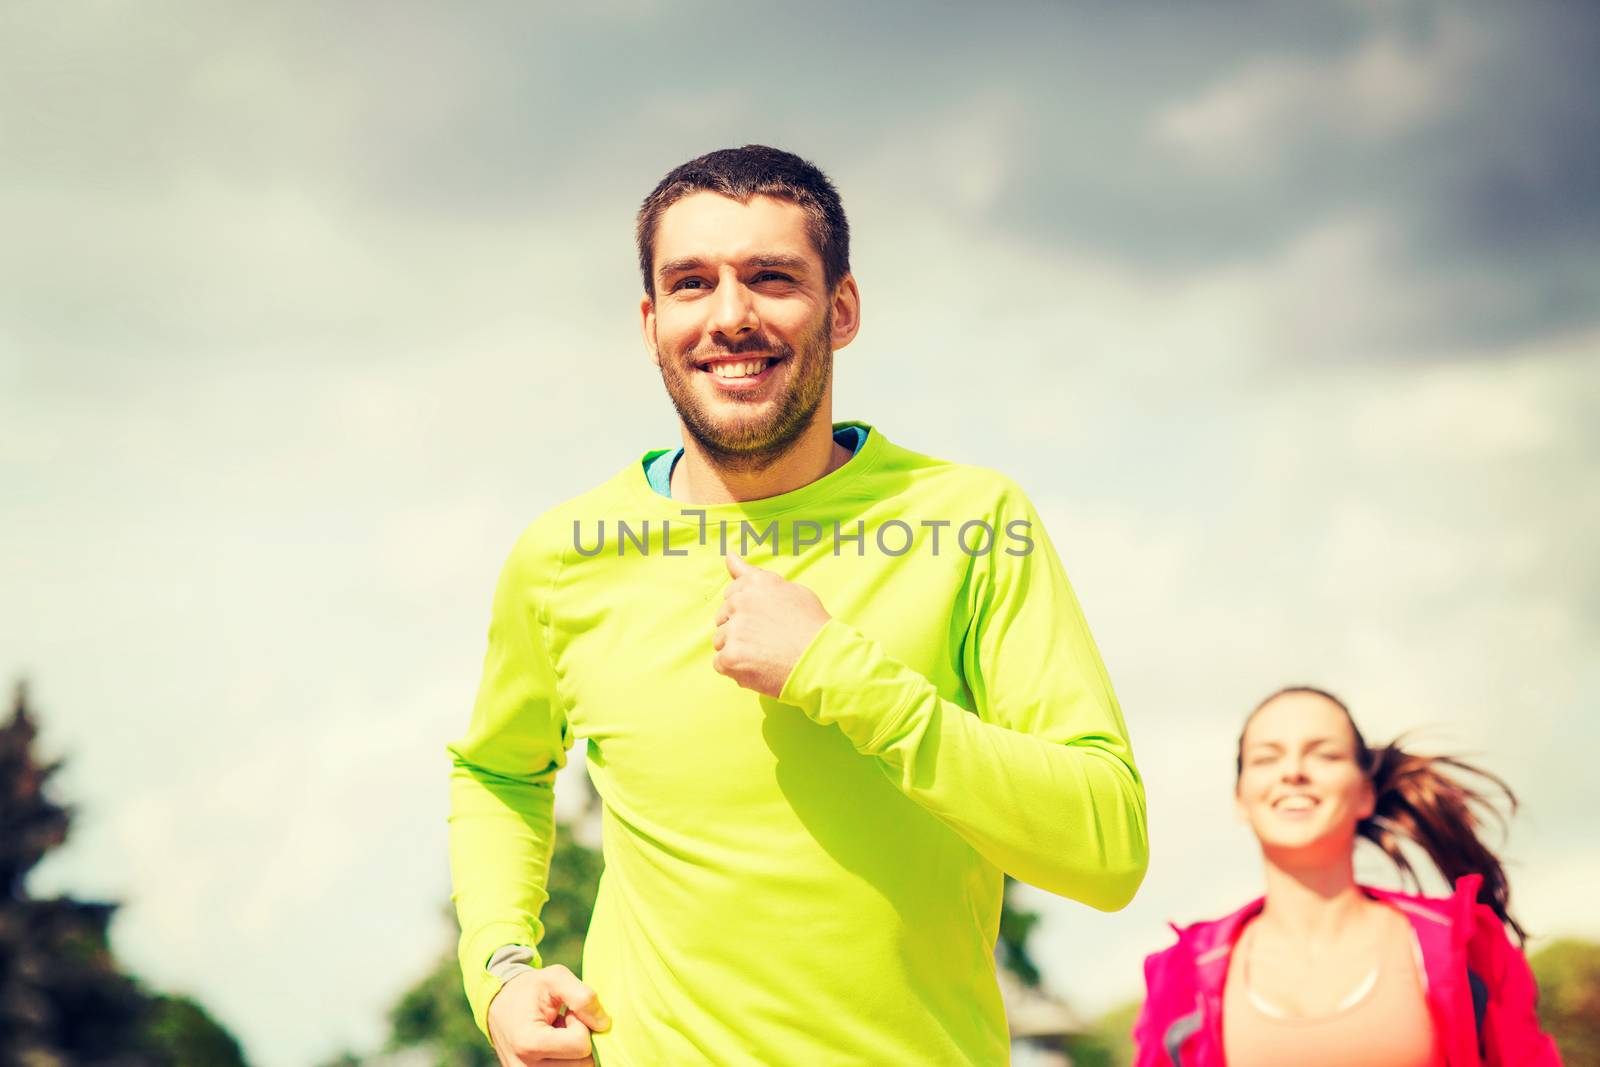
<point>710,225</point>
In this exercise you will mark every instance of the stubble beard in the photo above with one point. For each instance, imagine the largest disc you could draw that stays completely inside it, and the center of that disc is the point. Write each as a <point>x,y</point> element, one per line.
<point>748,444</point>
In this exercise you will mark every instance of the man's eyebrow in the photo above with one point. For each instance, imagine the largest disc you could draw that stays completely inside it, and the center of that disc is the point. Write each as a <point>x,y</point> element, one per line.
<point>797,264</point>
<point>794,263</point>
<point>675,266</point>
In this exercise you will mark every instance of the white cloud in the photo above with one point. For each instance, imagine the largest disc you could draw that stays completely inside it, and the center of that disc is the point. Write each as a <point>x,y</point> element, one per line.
<point>1230,525</point>
<point>1381,87</point>
<point>1435,587</point>
<point>958,157</point>
<point>265,449</point>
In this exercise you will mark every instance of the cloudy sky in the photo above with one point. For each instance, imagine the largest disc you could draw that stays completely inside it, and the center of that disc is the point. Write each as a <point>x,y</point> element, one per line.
<point>1286,316</point>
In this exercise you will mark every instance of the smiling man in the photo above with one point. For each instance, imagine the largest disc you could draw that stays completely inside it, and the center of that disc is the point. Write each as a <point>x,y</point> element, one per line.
<point>816,765</point>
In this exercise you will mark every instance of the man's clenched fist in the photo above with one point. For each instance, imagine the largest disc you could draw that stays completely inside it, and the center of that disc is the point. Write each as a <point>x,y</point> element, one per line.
<point>542,1018</point>
<point>765,623</point>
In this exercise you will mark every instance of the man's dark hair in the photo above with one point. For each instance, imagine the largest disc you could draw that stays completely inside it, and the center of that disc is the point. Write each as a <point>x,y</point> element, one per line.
<point>741,173</point>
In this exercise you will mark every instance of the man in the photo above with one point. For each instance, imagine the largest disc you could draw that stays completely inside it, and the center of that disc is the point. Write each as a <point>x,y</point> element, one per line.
<point>816,768</point>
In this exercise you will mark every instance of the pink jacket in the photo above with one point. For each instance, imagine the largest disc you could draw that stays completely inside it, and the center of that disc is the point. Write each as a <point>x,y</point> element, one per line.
<point>1479,988</point>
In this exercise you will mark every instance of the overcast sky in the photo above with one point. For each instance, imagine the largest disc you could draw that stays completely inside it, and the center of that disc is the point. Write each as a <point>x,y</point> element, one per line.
<point>1286,316</point>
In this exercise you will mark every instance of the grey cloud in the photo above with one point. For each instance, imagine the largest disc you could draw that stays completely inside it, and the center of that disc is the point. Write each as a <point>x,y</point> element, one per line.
<point>357,179</point>
<point>1495,198</point>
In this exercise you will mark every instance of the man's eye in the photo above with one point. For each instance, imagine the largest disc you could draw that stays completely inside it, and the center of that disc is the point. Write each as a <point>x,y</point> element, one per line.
<point>773,274</point>
<point>685,282</point>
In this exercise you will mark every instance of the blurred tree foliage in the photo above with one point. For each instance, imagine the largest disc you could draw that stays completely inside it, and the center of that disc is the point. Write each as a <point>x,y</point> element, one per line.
<point>433,1015</point>
<point>1011,951</point>
<point>63,1001</point>
<point>1108,1042</point>
<point>178,1031</point>
<point>1568,972</point>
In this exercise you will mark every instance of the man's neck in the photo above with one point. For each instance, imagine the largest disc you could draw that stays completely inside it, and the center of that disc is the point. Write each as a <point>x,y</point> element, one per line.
<point>697,479</point>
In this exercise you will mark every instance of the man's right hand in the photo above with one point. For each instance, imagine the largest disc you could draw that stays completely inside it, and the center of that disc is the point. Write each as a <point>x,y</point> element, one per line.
<point>542,1018</point>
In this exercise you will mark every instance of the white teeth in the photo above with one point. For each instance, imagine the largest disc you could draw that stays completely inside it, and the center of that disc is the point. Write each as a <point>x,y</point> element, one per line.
<point>1296,804</point>
<point>738,370</point>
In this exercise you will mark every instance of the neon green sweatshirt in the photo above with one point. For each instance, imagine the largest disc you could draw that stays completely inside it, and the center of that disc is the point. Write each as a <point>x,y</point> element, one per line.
<point>815,879</point>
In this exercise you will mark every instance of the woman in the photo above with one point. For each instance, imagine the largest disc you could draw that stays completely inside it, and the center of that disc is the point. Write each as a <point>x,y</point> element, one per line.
<point>1323,972</point>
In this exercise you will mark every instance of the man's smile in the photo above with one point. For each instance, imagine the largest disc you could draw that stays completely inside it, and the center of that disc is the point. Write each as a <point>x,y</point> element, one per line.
<point>739,374</point>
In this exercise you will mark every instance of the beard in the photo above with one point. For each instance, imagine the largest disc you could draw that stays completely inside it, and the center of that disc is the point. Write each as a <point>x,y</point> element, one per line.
<point>748,436</point>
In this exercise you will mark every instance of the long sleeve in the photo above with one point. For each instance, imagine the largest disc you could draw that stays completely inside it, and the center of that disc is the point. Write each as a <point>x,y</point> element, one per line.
<point>1148,1051</point>
<point>502,801</point>
<point>1510,1033</point>
<point>1171,1009</point>
<point>1041,779</point>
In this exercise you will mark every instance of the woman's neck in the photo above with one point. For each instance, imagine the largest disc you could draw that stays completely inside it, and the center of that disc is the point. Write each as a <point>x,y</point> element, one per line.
<point>1312,905</point>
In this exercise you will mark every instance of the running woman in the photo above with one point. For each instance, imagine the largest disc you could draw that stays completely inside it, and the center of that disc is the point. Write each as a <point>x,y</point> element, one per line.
<point>1323,971</point>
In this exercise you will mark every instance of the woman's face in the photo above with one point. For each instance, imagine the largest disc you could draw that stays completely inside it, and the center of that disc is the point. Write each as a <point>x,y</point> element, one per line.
<point>1301,787</point>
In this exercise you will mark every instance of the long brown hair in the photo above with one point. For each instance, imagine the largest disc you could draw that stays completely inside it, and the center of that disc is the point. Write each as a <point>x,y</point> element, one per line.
<point>1418,801</point>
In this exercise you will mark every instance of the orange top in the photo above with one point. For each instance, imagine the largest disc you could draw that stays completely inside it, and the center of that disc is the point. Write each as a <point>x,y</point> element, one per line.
<point>1384,1022</point>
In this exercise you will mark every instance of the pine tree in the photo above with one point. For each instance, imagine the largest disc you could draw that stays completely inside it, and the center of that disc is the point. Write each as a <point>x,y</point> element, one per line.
<point>63,1002</point>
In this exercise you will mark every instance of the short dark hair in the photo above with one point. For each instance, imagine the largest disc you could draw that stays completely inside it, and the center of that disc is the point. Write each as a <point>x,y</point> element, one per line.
<point>741,173</point>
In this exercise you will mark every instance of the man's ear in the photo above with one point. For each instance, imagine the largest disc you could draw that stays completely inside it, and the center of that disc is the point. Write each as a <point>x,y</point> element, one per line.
<point>647,327</point>
<point>846,312</point>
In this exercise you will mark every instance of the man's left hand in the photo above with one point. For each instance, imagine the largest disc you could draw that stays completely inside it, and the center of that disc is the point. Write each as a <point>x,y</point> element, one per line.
<point>765,623</point>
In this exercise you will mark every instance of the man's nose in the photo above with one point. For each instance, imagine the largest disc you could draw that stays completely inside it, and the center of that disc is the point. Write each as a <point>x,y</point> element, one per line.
<point>733,313</point>
<point>1294,769</point>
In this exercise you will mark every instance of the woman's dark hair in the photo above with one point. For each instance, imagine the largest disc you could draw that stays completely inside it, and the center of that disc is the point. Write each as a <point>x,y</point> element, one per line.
<point>741,173</point>
<point>1418,801</point>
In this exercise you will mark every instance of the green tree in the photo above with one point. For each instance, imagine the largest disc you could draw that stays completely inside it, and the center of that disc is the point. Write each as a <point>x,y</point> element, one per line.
<point>1011,950</point>
<point>1108,1042</point>
<point>433,1015</point>
<point>1568,972</point>
<point>343,1059</point>
<point>63,1000</point>
<point>177,1030</point>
